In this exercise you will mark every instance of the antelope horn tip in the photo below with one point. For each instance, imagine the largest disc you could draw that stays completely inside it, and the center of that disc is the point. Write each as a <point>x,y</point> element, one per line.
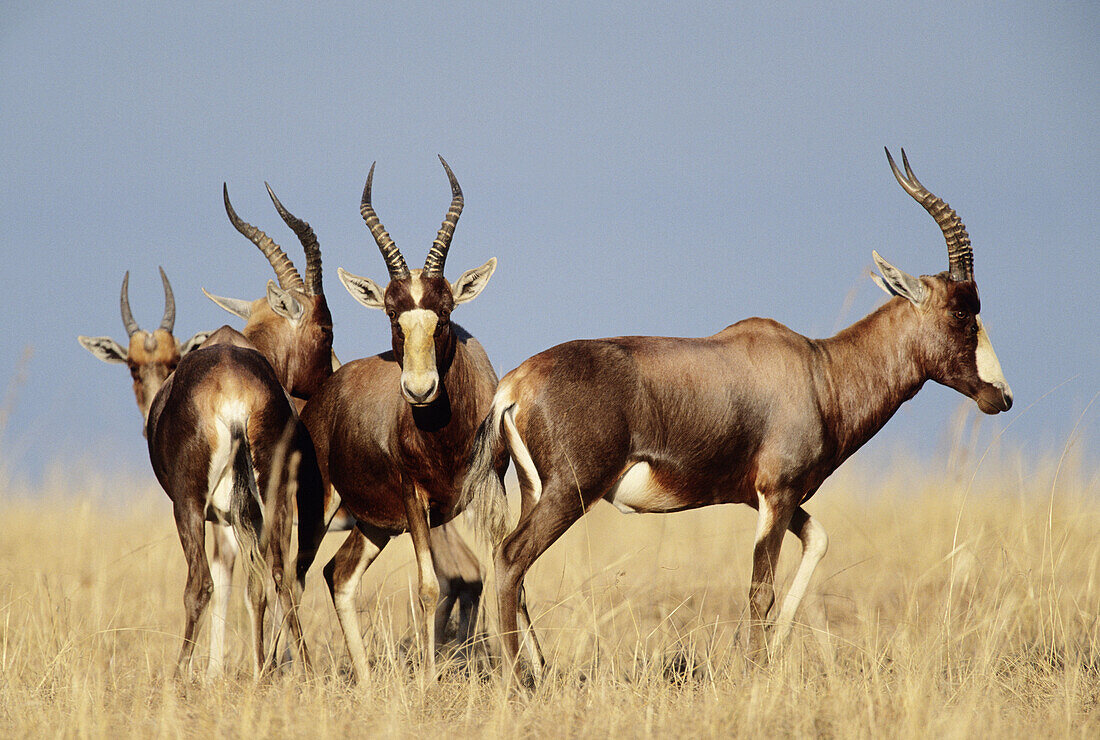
<point>367,187</point>
<point>124,304</point>
<point>228,206</point>
<point>168,321</point>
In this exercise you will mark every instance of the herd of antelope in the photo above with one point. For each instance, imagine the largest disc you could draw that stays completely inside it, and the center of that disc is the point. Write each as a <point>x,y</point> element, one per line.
<point>254,430</point>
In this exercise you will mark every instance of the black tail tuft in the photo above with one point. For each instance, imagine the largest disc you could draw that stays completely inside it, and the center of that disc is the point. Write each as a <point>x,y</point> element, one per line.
<point>245,505</point>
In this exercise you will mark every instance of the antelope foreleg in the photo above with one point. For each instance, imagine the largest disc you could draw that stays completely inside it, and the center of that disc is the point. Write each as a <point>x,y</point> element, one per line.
<point>417,515</point>
<point>815,542</point>
<point>343,574</point>
<point>287,591</point>
<point>771,525</point>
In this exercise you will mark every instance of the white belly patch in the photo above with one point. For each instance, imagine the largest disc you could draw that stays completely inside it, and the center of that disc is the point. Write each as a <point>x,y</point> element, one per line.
<point>638,492</point>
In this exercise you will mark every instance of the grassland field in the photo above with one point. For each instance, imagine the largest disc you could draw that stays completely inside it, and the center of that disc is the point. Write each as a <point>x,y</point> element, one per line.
<point>957,600</point>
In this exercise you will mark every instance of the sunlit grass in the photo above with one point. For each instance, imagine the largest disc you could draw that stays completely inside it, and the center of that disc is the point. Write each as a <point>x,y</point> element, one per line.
<point>949,605</point>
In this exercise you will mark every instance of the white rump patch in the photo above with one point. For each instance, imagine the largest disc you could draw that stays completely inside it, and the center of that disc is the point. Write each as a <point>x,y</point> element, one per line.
<point>638,492</point>
<point>220,475</point>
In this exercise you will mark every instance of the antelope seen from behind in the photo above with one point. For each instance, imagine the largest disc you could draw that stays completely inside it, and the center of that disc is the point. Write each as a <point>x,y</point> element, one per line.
<point>392,432</point>
<point>755,414</point>
<point>224,440</point>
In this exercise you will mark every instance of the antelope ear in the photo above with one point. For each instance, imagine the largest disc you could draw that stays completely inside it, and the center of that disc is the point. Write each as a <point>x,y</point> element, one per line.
<point>335,362</point>
<point>472,282</point>
<point>897,282</point>
<point>235,306</point>
<point>104,348</point>
<point>283,303</point>
<point>362,289</point>
<point>194,342</point>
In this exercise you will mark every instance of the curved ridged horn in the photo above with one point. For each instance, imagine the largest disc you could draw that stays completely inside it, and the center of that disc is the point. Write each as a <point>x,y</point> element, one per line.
<point>127,316</point>
<point>309,243</point>
<point>960,256</point>
<point>168,323</point>
<point>289,279</point>
<point>437,255</point>
<point>395,263</point>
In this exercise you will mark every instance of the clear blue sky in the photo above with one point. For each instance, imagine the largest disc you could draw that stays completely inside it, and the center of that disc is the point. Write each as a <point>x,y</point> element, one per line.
<point>637,168</point>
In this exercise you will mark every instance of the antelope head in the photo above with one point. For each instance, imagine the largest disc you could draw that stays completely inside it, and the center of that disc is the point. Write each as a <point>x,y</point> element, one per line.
<point>419,302</point>
<point>954,344</point>
<point>151,356</point>
<point>291,326</point>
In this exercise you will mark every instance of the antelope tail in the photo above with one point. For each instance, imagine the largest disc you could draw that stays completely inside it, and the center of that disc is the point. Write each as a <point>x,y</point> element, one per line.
<point>483,489</point>
<point>245,498</point>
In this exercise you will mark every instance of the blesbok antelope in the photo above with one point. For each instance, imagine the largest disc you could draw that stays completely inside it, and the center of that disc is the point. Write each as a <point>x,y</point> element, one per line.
<point>223,441</point>
<point>182,458</point>
<point>222,432</point>
<point>150,355</point>
<point>291,326</point>
<point>290,329</point>
<point>392,432</point>
<point>281,343</point>
<point>755,414</point>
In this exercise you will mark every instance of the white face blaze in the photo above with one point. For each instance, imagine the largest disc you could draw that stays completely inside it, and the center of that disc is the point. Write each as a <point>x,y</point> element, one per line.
<point>989,367</point>
<point>419,375</point>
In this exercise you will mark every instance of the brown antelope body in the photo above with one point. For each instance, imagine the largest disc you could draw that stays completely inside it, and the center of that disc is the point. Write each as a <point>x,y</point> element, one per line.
<point>755,414</point>
<point>222,436</point>
<point>290,330</point>
<point>221,432</point>
<point>392,432</point>
<point>282,344</point>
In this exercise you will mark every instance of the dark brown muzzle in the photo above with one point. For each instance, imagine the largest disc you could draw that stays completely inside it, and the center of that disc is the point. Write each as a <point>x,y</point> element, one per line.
<point>993,399</point>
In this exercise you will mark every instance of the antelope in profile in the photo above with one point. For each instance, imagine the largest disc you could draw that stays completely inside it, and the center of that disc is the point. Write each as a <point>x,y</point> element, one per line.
<point>392,432</point>
<point>755,414</point>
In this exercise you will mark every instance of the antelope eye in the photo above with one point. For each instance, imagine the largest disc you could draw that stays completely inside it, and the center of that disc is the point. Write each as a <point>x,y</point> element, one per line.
<point>391,313</point>
<point>962,315</point>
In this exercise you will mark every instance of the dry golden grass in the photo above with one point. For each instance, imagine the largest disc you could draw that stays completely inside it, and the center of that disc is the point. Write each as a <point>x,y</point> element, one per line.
<point>946,607</point>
